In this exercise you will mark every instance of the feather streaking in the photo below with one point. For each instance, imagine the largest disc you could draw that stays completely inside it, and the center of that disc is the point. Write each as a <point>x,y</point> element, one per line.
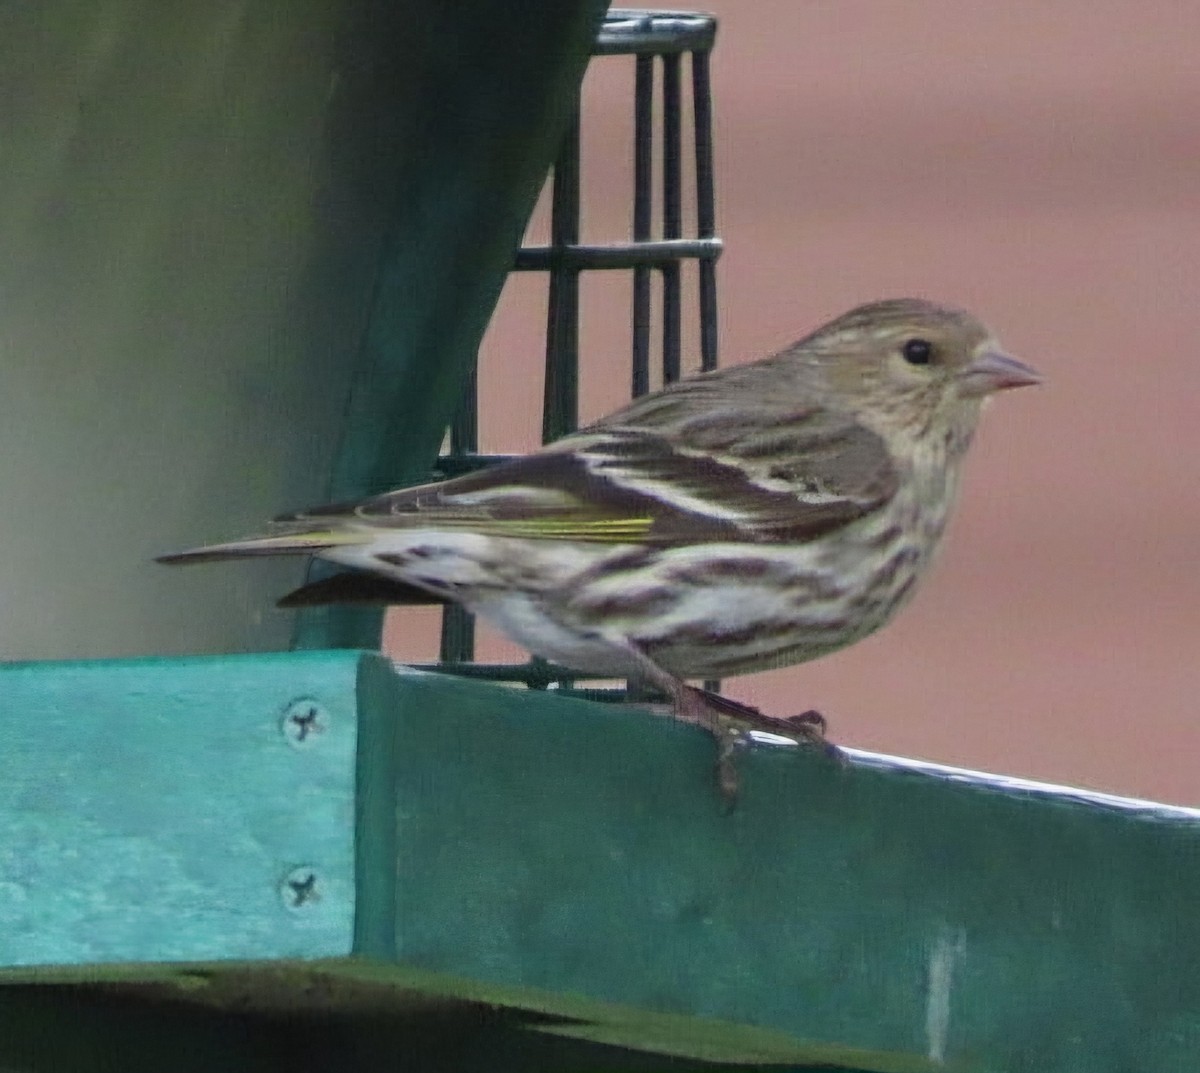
<point>757,516</point>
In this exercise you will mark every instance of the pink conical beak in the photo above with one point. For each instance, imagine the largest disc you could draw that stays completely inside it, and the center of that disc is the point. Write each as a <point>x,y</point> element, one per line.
<point>993,370</point>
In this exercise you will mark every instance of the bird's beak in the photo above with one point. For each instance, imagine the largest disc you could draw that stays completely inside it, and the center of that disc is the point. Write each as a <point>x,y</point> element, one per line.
<point>993,370</point>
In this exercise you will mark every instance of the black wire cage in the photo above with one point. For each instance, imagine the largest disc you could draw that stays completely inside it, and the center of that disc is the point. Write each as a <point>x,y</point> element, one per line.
<point>658,42</point>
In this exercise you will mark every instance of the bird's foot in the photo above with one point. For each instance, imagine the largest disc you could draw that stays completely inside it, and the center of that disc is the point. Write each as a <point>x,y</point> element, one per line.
<point>730,722</point>
<point>809,728</point>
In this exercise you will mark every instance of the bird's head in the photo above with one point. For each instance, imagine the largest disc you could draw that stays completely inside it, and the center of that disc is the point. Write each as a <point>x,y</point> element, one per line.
<point>911,368</point>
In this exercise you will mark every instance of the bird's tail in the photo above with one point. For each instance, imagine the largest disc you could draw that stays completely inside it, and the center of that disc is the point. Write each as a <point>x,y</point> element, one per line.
<point>308,542</point>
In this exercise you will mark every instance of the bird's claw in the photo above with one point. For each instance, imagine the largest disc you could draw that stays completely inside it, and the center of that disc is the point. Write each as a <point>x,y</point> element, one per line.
<point>731,724</point>
<point>812,723</point>
<point>808,728</point>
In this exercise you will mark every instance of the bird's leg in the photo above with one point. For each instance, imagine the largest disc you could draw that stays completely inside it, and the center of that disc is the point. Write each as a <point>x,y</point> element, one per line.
<point>694,705</point>
<point>727,720</point>
<point>728,731</point>
<point>690,705</point>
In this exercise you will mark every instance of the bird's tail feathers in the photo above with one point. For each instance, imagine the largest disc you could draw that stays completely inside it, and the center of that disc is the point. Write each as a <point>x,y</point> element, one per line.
<point>306,543</point>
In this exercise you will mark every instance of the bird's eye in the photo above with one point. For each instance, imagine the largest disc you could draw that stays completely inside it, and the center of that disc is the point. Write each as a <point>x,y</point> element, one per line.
<point>918,352</point>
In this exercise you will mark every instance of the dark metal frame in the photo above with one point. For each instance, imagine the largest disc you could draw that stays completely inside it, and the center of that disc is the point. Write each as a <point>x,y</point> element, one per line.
<point>649,36</point>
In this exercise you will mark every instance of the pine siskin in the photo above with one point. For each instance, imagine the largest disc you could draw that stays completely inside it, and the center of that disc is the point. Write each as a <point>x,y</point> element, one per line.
<point>740,520</point>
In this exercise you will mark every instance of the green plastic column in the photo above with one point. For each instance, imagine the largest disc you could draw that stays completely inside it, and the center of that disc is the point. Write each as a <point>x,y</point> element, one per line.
<point>226,227</point>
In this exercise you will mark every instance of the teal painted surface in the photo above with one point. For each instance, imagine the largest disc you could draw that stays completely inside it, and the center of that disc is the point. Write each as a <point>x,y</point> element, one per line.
<point>520,850</point>
<point>480,111</point>
<point>578,848</point>
<point>150,809</point>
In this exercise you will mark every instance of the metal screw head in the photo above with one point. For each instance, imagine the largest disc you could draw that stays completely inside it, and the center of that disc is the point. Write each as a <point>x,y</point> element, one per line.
<point>303,722</point>
<point>300,889</point>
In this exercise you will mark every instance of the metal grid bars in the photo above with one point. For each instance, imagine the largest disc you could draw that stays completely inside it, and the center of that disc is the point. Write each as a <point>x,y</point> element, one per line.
<point>656,39</point>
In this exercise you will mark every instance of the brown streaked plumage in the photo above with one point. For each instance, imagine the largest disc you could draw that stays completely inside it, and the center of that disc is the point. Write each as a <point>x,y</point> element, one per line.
<point>757,516</point>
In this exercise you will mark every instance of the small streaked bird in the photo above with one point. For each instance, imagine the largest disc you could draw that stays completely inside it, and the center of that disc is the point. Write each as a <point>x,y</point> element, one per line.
<point>749,518</point>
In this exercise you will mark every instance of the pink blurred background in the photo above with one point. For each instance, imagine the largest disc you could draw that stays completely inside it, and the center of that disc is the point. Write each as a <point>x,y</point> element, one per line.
<point>1039,164</point>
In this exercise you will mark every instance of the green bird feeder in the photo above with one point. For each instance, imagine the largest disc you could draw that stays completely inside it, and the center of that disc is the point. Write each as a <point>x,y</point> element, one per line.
<point>251,250</point>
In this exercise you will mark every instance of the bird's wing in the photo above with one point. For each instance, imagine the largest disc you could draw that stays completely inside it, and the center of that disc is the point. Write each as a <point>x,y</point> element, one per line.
<point>784,476</point>
<point>719,475</point>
